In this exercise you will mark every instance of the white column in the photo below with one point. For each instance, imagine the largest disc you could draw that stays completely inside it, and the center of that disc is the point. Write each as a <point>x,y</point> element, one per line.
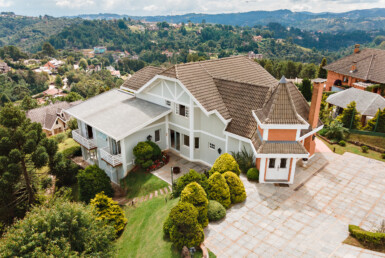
<point>262,169</point>
<point>191,129</point>
<point>167,133</point>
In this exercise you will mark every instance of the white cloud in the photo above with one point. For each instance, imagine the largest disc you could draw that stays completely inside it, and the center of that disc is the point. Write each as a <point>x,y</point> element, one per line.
<point>74,3</point>
<point>150,8</point>
<point>4,3</point>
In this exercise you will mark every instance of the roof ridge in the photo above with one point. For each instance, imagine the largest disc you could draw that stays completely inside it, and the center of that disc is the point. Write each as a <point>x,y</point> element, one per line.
<point>239,81</point>
<point>212,60</point>
<point>292,104</point>
<point>370,66</point>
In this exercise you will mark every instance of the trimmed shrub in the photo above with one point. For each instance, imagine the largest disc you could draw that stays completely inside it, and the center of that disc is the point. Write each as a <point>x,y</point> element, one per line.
<point>156,151</point>
<point>368,238</point>
<point>143,153</point>
<point>215,211</point>
<point>74,151</point>
<point>253,174</point>
<point>167,227</point>
<point>218,189</point>
<point>193,193</point>
<point>60,137</point>
<point>191,176</point>
<point>237,189</point>
<point>342,143</point>
<point>225,163</point>
<point>365,149</point>
<point>185,229</point>
<point>109,212</point>
<point>93,180</point>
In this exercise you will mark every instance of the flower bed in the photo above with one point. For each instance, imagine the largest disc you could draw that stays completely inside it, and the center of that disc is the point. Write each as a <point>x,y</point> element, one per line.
<point>159,163</point>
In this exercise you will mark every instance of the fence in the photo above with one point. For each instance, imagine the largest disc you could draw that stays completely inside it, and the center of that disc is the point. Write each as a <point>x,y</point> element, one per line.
<point>367,133</point>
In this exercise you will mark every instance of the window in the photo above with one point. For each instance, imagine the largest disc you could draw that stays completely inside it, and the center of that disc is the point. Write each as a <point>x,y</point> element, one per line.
<point>186,140</point>
<point>212,146</point>
<point>168,103</point>
<point>157,135</point>
<point>57,121</point>
<point>271,163</point>
<point>115,147</point>
<point>345,79</point>
<point>181,110</point>
<point>283,163</point>
<point>196,142</point>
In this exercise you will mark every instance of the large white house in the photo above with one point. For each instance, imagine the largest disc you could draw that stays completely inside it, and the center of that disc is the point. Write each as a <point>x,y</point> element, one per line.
<point>199,111</point>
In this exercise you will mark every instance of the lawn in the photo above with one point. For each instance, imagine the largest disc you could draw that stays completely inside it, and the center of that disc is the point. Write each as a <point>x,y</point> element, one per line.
<point>140,183</point>
<point>375,141</point>
<point>67,143</point>
<point>143,235</point>
<point>353,149</point>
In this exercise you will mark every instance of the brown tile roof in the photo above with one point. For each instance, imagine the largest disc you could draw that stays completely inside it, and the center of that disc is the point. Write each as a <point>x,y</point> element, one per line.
<point>370,65</point>
<point>141,77</point>
<point>282,148</point>
<point>47,115</point>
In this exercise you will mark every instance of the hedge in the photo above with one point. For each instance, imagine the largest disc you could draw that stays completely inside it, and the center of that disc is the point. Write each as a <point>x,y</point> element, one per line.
<point>225,163</point>
<point>74,151</point>
<point>237,189</point>
<point>373,239</point>
<point>219,190</point>
<point>191,176</point>
<point>215,211</point>
<point>193,193</point>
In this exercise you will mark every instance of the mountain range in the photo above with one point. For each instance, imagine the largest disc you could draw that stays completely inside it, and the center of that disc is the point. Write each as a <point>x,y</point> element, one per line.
<point>368,19</point>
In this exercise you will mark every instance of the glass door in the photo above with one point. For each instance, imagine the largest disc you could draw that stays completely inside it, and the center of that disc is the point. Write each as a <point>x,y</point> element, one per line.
<point>175,140</point>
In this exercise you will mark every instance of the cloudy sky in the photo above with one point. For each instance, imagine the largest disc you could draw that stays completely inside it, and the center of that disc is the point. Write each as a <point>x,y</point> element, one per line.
<point>167,7</point>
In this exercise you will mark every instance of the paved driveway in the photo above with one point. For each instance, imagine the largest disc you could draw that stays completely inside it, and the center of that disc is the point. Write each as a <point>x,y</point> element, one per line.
<point>308,219</point>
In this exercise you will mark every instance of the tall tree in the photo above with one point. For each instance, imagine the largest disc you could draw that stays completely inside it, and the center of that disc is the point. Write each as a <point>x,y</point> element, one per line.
<point>83,64</point>
<point>322,73</point>
<point>24,148</point>
<point>28,103</point>
<point>48,49</point>
<point>306,89</point>
<point>350,117</point>
<point>58,81</point>
<point>379,120</point>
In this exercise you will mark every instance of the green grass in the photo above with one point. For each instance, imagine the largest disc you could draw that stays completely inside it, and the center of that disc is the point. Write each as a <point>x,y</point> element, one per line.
<point>140,183</point>
<point>67,143</point>
<point>375,141</point>
<point>353,149</point>
<point>143,235</point>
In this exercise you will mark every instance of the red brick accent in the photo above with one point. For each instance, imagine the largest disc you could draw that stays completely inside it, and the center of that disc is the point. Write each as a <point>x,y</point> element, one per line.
<point>282,134</point>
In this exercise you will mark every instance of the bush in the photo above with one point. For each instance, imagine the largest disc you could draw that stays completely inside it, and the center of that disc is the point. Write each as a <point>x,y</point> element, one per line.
<point>225,163</point>
<point>156,151</point>
<point>62,229</point>
<point>244,159</point>
<point>336,131</point>
<point>71,152</point>
<point>60,137</point>
<point>365,149</point>
<point>383,155</point>
<point>193,193</point>
<point>46,182</point>
<point>185,229</point>
<point>215,211</point>
<point>93,180</point>
<point>253,174</point>
<point>109,212</point>
<point>167,227</point>
<point>368,238</point>
<point>218,189</point>
<point>342,143</point>
<point>323,131</point>
<point>146,153</point>
<point>237,189</point>
<point>188,178</point>
<point>64,169</point>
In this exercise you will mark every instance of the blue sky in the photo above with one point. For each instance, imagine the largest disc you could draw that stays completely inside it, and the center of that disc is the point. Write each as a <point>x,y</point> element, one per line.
<point>167,7</point>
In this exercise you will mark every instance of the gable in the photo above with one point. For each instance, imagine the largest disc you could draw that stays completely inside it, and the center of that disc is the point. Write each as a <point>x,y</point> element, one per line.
<point>168,90</point>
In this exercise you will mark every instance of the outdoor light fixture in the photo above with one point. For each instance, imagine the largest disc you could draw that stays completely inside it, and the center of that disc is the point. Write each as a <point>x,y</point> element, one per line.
<point>219,150</point>
<point>149,138</point>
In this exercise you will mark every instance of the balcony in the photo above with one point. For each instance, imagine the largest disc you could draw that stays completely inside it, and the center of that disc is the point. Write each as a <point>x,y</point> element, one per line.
<point>86,143</point>
<point>113,160</point>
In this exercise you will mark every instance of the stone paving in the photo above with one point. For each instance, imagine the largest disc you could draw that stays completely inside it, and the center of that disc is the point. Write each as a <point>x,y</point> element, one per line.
<point>309,218</point>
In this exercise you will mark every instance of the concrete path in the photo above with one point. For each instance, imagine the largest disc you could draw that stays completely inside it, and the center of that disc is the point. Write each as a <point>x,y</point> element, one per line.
<point>309,218</point>
<point>321,146</point>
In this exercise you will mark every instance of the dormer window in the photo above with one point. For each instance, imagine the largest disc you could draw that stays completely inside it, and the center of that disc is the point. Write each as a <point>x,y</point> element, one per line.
<point>181,110</point>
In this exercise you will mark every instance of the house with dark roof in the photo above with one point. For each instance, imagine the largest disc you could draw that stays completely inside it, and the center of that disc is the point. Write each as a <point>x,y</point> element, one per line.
<point>199,111</point>
<point>362,69</point>
<point>52,117</point>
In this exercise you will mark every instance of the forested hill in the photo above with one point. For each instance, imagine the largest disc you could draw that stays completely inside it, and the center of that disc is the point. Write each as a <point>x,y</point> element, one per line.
<point>368,20</point>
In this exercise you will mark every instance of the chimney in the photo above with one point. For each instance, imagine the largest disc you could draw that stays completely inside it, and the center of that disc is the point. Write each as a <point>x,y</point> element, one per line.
<point>318,85</point>
<point>354,66</point>
<point>356,48</point>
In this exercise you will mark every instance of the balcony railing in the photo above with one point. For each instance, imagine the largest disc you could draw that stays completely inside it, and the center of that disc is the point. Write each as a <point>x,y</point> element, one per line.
<point>113,160</point>
<point>87,143</point>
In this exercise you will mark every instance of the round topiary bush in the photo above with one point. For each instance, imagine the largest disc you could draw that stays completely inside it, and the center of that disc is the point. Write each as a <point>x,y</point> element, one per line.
<point>193,193</point>
<point>225,163</point>
<point>253,174</point>
<point>185,229</point>
<point>218,189</point>
<point>342,143</point>
<point>215,211</point>
<point>156,151</point>
<point>188,178</point>
<point>143,153</point>
<point>365,149</point>
<point>237,189</point>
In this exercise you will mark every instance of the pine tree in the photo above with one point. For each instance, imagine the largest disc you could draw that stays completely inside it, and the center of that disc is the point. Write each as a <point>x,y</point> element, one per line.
<point>378,118</point>
<point>58,81</point>
<point>322,73</point>
<point>350,117</point>
<point>306,89</point>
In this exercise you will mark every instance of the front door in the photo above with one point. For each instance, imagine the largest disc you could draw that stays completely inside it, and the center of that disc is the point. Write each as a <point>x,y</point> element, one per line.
<point>278,169</point>
<point>175,140</point>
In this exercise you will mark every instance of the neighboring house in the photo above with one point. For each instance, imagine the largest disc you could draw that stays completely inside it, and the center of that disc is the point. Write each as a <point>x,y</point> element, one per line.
<point>252,55</point>
<point>51,117</point>
<point>367,103</point>
<point>99,50</point>
<point>53,92</point>
<point>360,70</point>
<point>257,38</point>
<point>199,111</point>
<point>4,68</point>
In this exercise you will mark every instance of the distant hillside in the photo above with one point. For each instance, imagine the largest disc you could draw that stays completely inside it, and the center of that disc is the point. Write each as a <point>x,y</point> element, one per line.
<point>369,20</point>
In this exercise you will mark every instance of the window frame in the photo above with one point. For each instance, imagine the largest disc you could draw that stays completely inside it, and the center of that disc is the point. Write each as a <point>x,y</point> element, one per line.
<point>188,140</point>
<point>196,140</point>
<point>158,130</point>
<point>210,146</point>
<point>285,163</point>
<point>271,162</point>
